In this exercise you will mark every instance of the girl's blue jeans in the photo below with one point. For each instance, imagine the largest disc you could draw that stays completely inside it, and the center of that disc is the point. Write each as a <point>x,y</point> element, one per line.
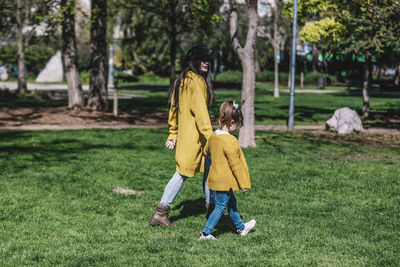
<point>208,193</point>
<point>175,183</point>
<point>225,199</point>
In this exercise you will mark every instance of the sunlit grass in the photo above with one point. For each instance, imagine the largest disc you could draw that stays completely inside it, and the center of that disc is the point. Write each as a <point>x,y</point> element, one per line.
<point>318,200</point>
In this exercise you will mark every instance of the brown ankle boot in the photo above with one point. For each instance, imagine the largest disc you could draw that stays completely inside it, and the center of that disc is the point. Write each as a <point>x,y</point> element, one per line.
<point>160,216</point>
<point>209,209</point>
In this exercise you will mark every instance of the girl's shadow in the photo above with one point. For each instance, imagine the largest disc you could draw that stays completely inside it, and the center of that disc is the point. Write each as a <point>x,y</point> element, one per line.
<point>196,207</point>
<point>225,225</point>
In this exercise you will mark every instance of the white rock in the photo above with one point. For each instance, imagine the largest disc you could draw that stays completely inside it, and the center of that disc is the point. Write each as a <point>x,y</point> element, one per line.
<point>345,121</point>
<point>53,72</point>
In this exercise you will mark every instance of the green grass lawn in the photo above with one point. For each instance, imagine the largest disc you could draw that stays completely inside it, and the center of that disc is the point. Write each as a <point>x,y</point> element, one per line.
<point>323,200</point>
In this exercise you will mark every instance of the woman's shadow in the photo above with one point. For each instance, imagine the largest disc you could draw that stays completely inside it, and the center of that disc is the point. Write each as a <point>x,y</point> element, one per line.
<point>193,207</point>
<point>196,207</point>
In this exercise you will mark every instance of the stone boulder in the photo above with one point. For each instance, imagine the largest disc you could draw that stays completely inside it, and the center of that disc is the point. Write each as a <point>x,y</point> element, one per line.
<point>345,121</point>
<point>53,72</point>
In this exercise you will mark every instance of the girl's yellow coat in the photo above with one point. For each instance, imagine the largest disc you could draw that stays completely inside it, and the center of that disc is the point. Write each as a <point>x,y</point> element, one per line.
<point>190,125</point>
<point>228,168</point>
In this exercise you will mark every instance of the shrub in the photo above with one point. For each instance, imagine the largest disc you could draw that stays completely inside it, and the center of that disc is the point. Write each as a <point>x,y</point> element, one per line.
<point>124,77</point>
<point>230,76</point>
<point>85,77</point>
<point>265,76</point>
<point>150,77</point>
<point>283,76</point>
<point>36,56</point>
<point>312,77</point>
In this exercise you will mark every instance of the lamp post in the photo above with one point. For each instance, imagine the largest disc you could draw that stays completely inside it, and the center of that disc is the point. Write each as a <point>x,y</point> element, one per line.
<point>292,69</point>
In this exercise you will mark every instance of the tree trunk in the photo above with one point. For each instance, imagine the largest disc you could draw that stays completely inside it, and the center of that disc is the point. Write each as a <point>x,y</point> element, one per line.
<point>396,75</point>
<point>172,57</point>
<point>246,55</point>
<point>276,75</point>
<point>75,99</point>
<point>22,88</point>
<point>172,54</point>
<point>276,51</point>
<point>379,72</point>
<point>172,35</point>
<point>314,57</point>
<point>98,60</point>
<point>289,75</point>
<point>302,80</point>
<point>326,68</point>
<point>257,67</point>
<point>366,86</point>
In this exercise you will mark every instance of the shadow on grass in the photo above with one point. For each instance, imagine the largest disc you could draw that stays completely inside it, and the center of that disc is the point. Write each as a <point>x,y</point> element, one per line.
<point>57,150</point>
<point>192,207</point>
<point>25,102</point>
<point>195,207</point>
<point>225,225</point>
<point>153,103</point>
<point>302,113</point>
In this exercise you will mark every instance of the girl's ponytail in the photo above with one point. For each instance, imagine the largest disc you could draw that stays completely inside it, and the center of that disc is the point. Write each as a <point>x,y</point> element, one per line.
<point>228,112</point>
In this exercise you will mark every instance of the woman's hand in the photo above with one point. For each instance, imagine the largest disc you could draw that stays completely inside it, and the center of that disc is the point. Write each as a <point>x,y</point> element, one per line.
<point>170,144</point>
<point>244,190</point>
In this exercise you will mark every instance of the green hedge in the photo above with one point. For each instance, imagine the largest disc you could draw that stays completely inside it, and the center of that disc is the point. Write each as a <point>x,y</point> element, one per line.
<point>312,77</point>
<point>265,76</point>
<point>36,56</point>
<point>230,76</point>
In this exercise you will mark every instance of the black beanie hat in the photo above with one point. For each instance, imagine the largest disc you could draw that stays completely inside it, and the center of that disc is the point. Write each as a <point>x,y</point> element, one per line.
<point>198,53</point>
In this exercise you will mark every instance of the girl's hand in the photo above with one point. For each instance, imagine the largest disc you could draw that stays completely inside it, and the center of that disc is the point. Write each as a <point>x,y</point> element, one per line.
<point>170,144</point>
<point>244,190</point>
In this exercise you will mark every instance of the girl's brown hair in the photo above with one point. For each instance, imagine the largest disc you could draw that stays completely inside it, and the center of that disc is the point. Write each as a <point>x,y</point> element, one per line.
<point>227,113</point>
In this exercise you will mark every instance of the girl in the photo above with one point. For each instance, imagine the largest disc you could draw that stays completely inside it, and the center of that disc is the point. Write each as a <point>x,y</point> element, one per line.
<point>189,128</point>
<point>228,171</point>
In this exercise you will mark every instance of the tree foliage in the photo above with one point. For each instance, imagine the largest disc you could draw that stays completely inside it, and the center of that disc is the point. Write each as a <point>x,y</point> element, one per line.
<point>326,29</point>
<point>152,28</point>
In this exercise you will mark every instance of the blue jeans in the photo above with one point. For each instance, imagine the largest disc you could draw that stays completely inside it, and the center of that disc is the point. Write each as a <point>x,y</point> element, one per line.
<point>172,189</point>
<point>175,183</point>
<point>208,193</point>
<point>224,199</point>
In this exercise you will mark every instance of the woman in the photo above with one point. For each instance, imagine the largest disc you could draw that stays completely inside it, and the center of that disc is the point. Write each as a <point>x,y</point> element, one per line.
<point>189,128</point>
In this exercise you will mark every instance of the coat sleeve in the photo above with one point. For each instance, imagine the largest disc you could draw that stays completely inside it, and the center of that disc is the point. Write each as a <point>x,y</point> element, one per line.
<point>173,121</point>
<point>199,108</point>
<point>238,165</point>
<point>206,151</point>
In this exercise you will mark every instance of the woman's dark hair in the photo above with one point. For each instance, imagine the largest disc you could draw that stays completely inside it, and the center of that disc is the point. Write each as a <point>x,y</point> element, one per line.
<point>227,113</point>
<point>193,59</point>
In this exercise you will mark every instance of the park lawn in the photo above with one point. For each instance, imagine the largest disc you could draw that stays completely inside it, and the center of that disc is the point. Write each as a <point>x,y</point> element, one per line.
<point>325,199</point>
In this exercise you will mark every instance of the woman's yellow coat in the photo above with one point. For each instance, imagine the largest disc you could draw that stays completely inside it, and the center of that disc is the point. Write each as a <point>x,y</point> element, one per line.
<point>190,125</point>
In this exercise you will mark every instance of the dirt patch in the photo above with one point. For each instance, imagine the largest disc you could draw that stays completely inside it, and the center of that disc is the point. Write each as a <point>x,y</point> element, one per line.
<point>127,191</point>
<point>363,139</point>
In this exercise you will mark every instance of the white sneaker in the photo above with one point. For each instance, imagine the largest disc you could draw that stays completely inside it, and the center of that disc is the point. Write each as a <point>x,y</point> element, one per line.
<point>247,227</point>
<point>206,237</point>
